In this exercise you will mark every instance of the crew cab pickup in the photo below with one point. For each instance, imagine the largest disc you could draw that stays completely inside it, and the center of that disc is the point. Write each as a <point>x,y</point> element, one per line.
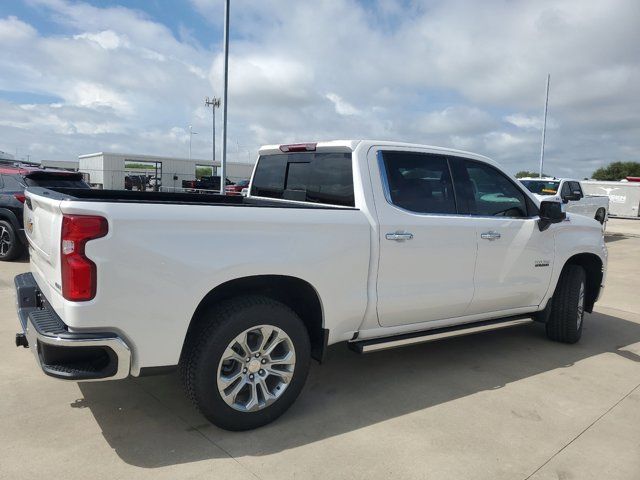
<point>570,192</point>
<point>376,244</point>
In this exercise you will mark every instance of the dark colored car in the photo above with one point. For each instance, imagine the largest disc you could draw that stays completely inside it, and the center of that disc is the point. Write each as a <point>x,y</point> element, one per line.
<point>13,181</point>
<point>236,188</point>
<point>206,182</point>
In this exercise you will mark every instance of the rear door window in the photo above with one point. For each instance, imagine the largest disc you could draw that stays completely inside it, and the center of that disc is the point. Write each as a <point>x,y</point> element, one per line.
<point>576,189</point>
<point>419,182</point>
<point>12,183</point>
<point>324,178</point>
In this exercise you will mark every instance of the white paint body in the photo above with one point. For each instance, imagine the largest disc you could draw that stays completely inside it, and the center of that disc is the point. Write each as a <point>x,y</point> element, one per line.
<point>158,261</point>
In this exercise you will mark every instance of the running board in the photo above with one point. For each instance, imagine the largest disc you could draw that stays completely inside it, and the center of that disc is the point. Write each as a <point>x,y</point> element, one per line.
<point>376,344</point>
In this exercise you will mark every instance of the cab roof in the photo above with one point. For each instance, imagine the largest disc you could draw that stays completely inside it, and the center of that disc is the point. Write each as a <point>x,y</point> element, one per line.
<point>351,145</point>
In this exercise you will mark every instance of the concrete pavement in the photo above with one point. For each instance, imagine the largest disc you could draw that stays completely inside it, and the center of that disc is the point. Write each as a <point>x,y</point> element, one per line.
<point>502,405</point>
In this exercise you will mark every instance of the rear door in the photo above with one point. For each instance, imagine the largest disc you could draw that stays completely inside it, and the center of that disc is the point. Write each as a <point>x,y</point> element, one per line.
<point>427,250</point>
<point>514,261</point>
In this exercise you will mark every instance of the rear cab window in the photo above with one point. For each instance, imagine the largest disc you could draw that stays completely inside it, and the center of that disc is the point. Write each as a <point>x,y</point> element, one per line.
<point>316,177</point>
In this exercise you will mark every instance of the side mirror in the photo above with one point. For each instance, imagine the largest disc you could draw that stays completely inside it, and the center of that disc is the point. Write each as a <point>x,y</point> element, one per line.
<point>550,212</point>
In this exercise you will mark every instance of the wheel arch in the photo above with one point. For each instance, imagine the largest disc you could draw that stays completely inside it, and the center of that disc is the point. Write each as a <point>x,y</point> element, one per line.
<point>592,265</point>
<point>297,294</point>
<point>11,217</point>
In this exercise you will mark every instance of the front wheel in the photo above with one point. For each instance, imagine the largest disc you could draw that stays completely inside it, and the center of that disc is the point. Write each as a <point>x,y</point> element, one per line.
<point>567,310</point>
<point>247,363</point>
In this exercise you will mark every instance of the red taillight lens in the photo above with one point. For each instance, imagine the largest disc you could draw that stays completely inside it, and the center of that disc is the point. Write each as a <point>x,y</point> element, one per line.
<point>20,197</point>
<point>78,272</point>
<point>299,147</point>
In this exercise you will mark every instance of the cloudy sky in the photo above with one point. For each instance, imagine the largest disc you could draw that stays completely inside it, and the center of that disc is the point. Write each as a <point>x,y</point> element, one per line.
<point>79,77</point>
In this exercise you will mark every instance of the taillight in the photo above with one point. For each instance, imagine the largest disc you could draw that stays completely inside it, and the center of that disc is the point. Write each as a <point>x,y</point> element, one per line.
<point>78,272</point>
<point>299,147</point>
<point>20,197</point>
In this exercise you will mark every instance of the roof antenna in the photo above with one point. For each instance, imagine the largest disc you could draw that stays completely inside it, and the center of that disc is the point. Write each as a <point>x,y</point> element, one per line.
<point>544,125</point>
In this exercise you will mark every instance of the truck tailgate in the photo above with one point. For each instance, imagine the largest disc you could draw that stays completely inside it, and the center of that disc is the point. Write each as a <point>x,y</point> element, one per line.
<point>42,224</point>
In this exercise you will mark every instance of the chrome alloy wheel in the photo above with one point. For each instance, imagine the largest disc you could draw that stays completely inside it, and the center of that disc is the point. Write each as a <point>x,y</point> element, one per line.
<point>5,241</point>
<point>580,305</point>
<point>256,368</point>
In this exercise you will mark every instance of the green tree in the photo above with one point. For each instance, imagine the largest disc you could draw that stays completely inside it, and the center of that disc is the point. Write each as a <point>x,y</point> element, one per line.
<point>617,171</point>
<point>527,173</point>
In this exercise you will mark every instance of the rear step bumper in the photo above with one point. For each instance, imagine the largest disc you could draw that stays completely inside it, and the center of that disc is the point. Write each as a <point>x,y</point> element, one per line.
<point>376,344</point>
<point>61,353</point>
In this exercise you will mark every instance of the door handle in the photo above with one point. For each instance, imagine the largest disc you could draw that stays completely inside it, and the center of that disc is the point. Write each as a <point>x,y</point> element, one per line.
<point>399,236</point>
<point>491,235</point>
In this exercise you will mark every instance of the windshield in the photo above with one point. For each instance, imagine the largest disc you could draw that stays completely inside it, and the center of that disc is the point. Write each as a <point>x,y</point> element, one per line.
<point>541,187</point>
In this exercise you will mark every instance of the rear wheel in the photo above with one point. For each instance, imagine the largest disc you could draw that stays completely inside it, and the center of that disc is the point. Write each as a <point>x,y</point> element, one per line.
<point>247,362</point>
<point>567,310</point>
<point>10,245</point>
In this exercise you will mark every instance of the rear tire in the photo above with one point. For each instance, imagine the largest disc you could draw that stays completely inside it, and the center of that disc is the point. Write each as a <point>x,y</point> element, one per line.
<point>215,362</point>
<point>567,310</point>
<point>10,245</point>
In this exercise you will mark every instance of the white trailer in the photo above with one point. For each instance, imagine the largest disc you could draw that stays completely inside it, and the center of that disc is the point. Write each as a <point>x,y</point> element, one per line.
<point>624,197</point>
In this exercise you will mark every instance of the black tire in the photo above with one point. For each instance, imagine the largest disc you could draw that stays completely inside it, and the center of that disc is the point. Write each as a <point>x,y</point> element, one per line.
<point>10,245</point>
<point>207,343</point>
<point>567,310</point>
<point>601,215</point>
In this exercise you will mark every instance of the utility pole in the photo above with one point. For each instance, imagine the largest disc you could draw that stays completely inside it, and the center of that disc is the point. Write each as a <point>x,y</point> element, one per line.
<point>191,134</point>
<point>223,163</point>
<point>544,125</point>
<point>213,103</point>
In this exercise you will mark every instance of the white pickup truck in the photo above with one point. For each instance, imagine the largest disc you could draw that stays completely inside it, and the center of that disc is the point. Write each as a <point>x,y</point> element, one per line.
<point>570,192</point>
<point>376,244</point>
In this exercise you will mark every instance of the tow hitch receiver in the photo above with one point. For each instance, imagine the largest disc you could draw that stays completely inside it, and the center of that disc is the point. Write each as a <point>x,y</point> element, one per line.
<point>21,340</point>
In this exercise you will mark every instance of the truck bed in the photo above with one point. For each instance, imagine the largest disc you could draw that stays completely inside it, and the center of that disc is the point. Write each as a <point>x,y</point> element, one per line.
<point>172,198</point>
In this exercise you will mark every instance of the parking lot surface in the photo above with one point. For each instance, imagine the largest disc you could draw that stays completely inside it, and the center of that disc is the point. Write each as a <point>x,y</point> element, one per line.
<point>502,405</point>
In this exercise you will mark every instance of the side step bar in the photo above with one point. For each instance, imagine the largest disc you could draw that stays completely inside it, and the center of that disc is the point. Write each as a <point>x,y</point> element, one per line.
<point>376,344</point>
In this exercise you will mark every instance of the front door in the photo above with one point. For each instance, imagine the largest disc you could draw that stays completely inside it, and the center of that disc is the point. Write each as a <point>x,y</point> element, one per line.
<point>515,258</point>
<point>427,251</point>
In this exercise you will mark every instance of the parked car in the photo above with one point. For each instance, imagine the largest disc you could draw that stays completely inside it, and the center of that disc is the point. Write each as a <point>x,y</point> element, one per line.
<point>236,188</point>
<point>206,182</point>
<point>377,244</point>
<point>570,192</point>
<point>13,181</point>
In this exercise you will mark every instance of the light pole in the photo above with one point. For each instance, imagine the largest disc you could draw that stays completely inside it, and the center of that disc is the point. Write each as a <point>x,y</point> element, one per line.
<point>544,125</point>
<point>213,103</point>
<point>223,163</point>
<point>191,134</point>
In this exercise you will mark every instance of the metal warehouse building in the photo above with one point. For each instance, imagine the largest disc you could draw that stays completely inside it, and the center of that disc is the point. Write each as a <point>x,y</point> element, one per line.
<point>108,170</point>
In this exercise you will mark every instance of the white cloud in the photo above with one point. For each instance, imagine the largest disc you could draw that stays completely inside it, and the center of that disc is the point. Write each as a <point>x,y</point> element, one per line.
<point>107,39</point>
<point>342,107</point>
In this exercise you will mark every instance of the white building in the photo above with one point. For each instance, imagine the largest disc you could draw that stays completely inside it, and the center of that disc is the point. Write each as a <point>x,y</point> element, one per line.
<point>107,170</point>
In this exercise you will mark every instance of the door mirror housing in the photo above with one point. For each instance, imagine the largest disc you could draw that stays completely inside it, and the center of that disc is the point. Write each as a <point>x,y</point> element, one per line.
<point>550,212</point>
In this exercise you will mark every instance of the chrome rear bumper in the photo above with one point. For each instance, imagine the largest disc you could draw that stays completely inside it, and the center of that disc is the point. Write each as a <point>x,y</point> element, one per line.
<point>86,356</point>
